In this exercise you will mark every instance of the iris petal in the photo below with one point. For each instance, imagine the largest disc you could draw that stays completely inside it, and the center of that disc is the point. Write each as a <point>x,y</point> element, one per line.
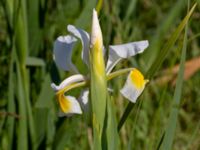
<point>85,39</point>
<point>72,79</point>
<point>119,52</point>
<point>134,85</point>
<point>68,105</point>
<point>83,99</point>
<point>63,47</point>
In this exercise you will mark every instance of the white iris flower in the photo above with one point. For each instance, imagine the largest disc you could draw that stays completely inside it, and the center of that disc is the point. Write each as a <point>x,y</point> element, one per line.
<point>63,48</point>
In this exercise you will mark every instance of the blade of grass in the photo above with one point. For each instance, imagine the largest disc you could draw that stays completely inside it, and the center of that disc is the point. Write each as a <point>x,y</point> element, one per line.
<point>35,36</point>
<point>170,130</point>
<point>131,141</point>
<point>40,118</point>
<point>99,5</point>
<point>34,61</point>
<point>130,10</point>
<point>193,137</point>
<point>43,101</point>
<point>112,134</point>
<point>85,15</point>
<point>11,104</point>
<point>21,34</point>
<point>22,47</point>
<point>159,60</point>
<point>22,134</point>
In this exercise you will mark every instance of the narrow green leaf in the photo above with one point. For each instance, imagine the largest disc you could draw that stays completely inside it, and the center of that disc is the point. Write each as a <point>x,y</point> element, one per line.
<point>34,61</point>
<point>11,104</point>
<point>40,119</point>
<point>50,129</point>
<point>84,19</point>
<point>98,100</point>
<point>22,133</point>
<point>130,10</point>
<point>170,130</point>
<point>111,129</point>
<point>21,33</point>
<point>62,136</point>
<point>35,34</point>
<point>25,84</point>
<point>99,5</point>
<point>46,94</point>
<point>194,136</point>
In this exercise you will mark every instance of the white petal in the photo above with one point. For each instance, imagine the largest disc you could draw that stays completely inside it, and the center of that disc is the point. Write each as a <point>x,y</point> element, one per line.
<point>74,109</point>
<point>83,99</point>
<point>63,47</point>
<point>132,91</point>
<point>72,79</point>
<point>84,96</point>
<point>118,52</point>
<point>85,38</point>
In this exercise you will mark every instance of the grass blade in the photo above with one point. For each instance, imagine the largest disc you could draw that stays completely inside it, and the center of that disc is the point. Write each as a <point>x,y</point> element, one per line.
<point>34,61</point>
<point>112,134</point>
<point>11,104</point>
<point>22,136</point>
<point>170,131</point>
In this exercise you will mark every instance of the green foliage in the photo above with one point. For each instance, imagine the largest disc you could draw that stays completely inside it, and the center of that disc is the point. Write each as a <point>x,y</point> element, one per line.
<point>28,109</point>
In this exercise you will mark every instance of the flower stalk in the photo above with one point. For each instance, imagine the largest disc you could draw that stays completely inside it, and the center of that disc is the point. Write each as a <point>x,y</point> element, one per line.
<point>98,88</point>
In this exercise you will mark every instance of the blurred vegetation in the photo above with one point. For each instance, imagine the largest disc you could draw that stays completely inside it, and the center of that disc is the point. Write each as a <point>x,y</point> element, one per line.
<point>28,109</point>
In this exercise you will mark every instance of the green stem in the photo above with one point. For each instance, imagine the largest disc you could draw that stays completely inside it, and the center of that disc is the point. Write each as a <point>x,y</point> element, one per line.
<point>125,115</point>
<point>118,73</point>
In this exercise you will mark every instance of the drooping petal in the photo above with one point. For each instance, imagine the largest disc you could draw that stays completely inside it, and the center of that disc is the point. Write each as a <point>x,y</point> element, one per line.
<point>85,39</point>
<point>72,79</point>
<point>63,47</point>
<point>134,85</point>
<point>119,52</point>
<point>68,105</point>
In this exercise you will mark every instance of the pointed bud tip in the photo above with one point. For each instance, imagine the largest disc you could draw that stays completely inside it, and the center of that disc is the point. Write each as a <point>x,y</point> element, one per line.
<point>96,30</point>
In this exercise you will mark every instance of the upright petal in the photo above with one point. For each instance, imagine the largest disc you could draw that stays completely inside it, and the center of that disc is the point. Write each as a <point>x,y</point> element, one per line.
<point>68,105</point>
<point>85,39</point>
<point>134,85</point>
<point>63,47</point>
<point>119,52</point>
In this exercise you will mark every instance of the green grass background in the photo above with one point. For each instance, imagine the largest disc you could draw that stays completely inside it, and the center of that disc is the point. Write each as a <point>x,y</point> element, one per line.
<point>28,108</point>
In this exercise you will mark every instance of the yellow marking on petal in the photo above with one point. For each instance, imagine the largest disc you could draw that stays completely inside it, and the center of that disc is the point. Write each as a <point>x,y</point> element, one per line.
<point>137,78</point>
<point>64,103</point>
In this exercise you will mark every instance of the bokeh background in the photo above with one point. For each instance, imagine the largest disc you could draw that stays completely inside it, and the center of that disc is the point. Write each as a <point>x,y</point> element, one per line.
<point>28,107</point>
